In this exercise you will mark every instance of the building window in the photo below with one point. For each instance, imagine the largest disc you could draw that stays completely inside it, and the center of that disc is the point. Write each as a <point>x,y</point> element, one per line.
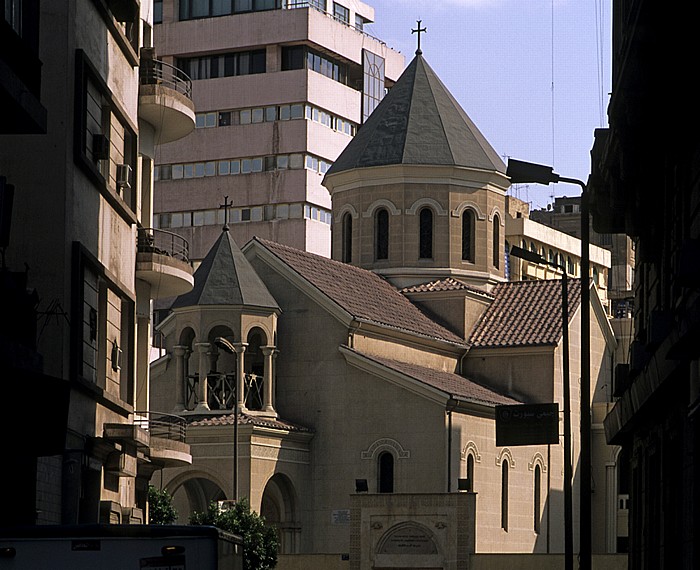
<point>157,11</point>
<point>223,65</point>
<point>470,472</point>
<point>468,236</point>
<point>347,238</point>
<point>381,234</point>
<point>569,265</point>
<point>537,496</point>
<point>193,9</point>
<point>300,57</point>
<point>359,23</point>
<point>385,483</point>
<point>341,13</point>
<point>497,242</point>
<point>504,495</point>
<point>105,140</point>
<point>373,87</point>
<point>425,233</point>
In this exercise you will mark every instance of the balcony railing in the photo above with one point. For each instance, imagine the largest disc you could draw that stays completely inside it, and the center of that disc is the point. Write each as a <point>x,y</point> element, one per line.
<point>151,240</point>
<point>165,426</point>
<point>221,391</point>
<point>157,72</point>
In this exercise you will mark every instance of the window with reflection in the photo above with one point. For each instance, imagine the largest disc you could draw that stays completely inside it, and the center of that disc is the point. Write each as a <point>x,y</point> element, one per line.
<point>425,233</point>
<point>468,232</point>
<point>381,234</point>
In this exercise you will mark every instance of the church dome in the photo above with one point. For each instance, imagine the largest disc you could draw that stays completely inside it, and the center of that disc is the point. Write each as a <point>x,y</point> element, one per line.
<point>419,122</point>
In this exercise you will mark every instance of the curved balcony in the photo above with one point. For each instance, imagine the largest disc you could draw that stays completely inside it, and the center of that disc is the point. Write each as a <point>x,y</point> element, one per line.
<point>165,100</point>
<point>162,259</point>
<point>167,434</point>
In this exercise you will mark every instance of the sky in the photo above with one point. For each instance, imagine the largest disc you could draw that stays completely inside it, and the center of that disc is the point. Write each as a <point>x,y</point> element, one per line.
<point>533,75</point>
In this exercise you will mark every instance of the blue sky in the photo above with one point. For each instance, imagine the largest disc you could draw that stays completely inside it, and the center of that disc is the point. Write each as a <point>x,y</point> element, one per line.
<point>534,75</point>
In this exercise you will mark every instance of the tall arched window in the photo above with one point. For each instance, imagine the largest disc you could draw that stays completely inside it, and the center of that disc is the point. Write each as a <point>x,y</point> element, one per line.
<point>425,249</point>
<point>381,234</point>
<point>347,238</point>
<point>468,230</point>
<point>537,499</point>
<point>504,495</point>
<point>496,241</point>
<point>470,472</point>
<point>386,473</point>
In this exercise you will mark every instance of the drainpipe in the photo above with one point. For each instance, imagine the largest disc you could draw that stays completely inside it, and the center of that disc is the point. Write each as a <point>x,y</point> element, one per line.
<point>449,407</point>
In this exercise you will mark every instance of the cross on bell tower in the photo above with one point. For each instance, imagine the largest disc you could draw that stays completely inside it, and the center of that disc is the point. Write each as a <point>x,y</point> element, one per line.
<point>418,31</point>
<point>226,205</point>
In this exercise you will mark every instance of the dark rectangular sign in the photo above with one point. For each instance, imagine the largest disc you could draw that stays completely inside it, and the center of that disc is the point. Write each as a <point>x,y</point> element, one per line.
<point>527,424</point>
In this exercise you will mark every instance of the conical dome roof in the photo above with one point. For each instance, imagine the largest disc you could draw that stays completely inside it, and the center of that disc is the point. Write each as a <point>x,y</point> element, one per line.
<point>419,122</point>
<point>225,277</point>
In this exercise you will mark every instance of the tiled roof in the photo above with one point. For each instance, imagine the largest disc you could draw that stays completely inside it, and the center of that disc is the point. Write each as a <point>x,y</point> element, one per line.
<point>419,122</point>
<point>450,383</point>
<point>525,313</point>
<point>225,277</point>
<point>227,419</point>
<point>448,284</point>
<point>362,293</point>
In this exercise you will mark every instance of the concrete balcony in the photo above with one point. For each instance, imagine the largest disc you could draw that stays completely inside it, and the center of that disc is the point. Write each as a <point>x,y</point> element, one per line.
<point>165,99</point>
<point>167,437</point>
<point>162,259</point>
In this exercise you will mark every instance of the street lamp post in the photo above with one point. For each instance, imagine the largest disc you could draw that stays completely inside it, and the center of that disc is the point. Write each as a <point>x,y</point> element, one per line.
<point>523,172</point>
<point>227,347</point>
<point>568,508</point>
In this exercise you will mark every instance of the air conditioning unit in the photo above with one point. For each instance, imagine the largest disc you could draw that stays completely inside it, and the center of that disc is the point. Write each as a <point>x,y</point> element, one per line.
<point>123,176</point>
<point>100,147</point>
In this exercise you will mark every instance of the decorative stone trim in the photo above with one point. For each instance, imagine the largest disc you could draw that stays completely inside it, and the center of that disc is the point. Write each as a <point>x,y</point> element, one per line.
<point>501,218</point>
<point>385,443</point>
<point>434,204</point>
<point>505,454</point>
<point>470,448</point>
<point>347,208</point>
<point>393,210</point>
<point>537,459</point>
<point>459,210</point>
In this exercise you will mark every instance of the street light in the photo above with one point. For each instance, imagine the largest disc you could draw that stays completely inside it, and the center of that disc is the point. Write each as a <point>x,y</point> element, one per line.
<point>523,172</point>
<point>227,347</point>
<point>568,509</point>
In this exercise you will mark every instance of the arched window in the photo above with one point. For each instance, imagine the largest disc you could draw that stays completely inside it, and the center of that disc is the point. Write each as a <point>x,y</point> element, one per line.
<point>386,473</point>
<point>537,499</point>
<point>468,231</point>
<point>347,238</point>
<point>533,247</point>
<point>569,265</point>
<point>470,472</point>
<point>496,242</point>
<point>381,234</point>
<point>551,256</point>
<point>425,234</point>
<point>504,495</point>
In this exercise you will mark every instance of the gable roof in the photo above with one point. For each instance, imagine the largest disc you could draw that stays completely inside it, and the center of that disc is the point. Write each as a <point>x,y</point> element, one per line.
<point>525,313</point>
<point>451,384</point>
<point>362,294</point>
<point>225,277</point>
<point>418,122</point>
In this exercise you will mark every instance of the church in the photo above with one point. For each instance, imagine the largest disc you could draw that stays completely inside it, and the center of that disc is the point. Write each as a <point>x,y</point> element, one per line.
<point>352,399</point>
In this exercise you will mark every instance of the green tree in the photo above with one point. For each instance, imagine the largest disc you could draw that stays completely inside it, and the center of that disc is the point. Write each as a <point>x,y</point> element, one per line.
<point>259,540</point>
<point>160,507</point>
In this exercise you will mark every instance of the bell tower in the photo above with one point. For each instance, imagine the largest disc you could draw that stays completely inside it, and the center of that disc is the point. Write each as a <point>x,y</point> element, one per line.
<point>419,194</point>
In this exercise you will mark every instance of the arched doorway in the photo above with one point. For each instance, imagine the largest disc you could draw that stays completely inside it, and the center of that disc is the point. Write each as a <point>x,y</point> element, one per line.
<point>279,507</point>
<point>195,495</point>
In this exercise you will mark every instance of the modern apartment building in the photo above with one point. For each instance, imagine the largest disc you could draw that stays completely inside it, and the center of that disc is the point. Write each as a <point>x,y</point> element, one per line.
<point>80,261</point>
<point>280,88</point>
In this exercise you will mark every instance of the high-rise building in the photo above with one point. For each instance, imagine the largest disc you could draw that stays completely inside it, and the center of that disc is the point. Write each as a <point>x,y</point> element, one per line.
<point>84,103</point>
<point>280,88</point>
